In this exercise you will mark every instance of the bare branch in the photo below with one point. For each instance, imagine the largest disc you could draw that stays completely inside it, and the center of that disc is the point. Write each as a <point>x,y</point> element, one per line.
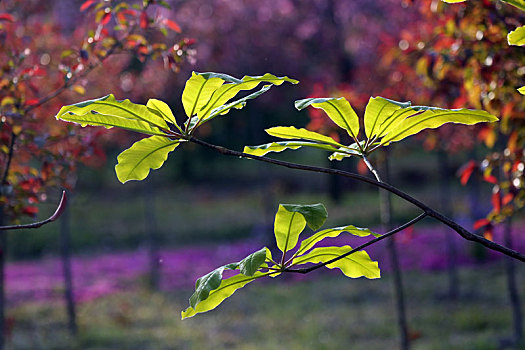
<point>60,209</point>
<point>429,211</point>
<point>361,247</point>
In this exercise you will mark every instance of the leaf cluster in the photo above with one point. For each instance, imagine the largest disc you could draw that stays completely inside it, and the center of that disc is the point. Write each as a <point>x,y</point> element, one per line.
<point>385,121</point>
<point>205,96</point>
<point>290,221</point>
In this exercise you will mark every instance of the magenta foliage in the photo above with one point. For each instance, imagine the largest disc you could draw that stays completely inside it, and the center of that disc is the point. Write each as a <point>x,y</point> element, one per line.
<point>100,275</point>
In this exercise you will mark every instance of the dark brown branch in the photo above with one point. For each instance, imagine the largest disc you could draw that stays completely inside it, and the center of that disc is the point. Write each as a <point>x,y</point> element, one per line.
<point>361,247</point>
<point>9,158</point>
<point>60,209</point>
<point>429,211</point>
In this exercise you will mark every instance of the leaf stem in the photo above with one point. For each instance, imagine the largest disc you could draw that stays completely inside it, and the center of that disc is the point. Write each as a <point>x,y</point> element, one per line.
<point>429,211</point>
<point>361,247</point>
<point>371,168</point>
<point>272,261</point>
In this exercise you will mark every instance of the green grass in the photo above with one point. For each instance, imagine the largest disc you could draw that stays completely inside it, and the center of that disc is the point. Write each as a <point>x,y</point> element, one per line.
<point>324,311</point>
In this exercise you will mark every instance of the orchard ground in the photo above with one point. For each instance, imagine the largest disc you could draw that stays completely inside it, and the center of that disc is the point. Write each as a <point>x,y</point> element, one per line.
<point>323,310</point>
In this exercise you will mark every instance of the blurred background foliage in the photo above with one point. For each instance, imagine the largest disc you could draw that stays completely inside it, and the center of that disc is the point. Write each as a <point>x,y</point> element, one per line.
<point>425,51</point>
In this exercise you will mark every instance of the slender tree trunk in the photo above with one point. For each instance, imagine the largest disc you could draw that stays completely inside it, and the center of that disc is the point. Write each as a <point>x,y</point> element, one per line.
<point>386,221</point>
<point>335,188</point>
<point>152,236</point>
<point>445,195</point>
<point>515,302</point>
<point>65,252</point>
<point>3,250</point>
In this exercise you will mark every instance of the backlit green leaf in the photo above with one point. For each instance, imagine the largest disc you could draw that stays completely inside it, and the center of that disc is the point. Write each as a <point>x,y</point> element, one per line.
<point>199,89</point>
<point>163,109</point>
<point>238,104</point>
<point>110,107</point>
<point>355,265</point>
<point>216,296</point>
<point>110,121</point>
<point>347,151</point>
<point>227,91</point>
<point>516,3</point>
<point>338,109</point>
<point>522,90</point>
<point>280,146</point>
<point>287,227</point>
<point>309,243</point>
<point>291,132</point>
<point>314,214</point>
<point>340,156</point>
<point>377,111</point>
<point>149,153</point>
<point>430,118</point>
<point>517,37</point>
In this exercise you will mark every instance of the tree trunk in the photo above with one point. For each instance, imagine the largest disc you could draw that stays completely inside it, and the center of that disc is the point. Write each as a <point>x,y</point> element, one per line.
<point>65,253</point>
<point>386,222</point>
<point>510,270</point>
<point>152,236</point>
<point>445,195</point>
<point>3,250</point>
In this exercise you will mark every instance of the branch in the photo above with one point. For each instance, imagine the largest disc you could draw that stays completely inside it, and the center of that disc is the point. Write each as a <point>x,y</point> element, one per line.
<point>9,158</point>
<point>429,211</point>
<point>71,81</point>
<point>60,209</point>
<point>361,247</point>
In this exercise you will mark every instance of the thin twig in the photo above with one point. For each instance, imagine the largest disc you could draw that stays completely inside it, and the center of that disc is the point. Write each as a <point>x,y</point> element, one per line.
<point>60,209</point>
<point>361,247</point>
<point>74,79</point>
<point>429,211</point>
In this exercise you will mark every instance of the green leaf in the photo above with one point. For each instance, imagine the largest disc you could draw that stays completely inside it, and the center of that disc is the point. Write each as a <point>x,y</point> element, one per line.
<point>149,153</point>
<point>225,77</point>
<point>521,90</point>
<point>162,108</point>
<point>249,265</point>
<point>517,37</point>
<point>280,146</point>
<point>431,118</point>
<point>314,214</point>
<point>347,151</point>
<point>212,280</point>
<point>205,284</point>
<point>227,91</point>
<point>238,104</point>
<point>338,109</point>
<point>113,111</point>
<point>377,111</point>
<point>216,296</point>
<point>309,243</point>
<point>355,265</point>
<point>287,227</point>
<point>516,3</point>
<point>199,89</point>
<point>291,132</point>
<point>109,121</point>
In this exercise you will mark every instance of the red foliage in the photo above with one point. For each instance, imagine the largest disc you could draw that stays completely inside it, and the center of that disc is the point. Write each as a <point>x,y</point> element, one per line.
<point>44,66</point>
<point>466,171</point>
